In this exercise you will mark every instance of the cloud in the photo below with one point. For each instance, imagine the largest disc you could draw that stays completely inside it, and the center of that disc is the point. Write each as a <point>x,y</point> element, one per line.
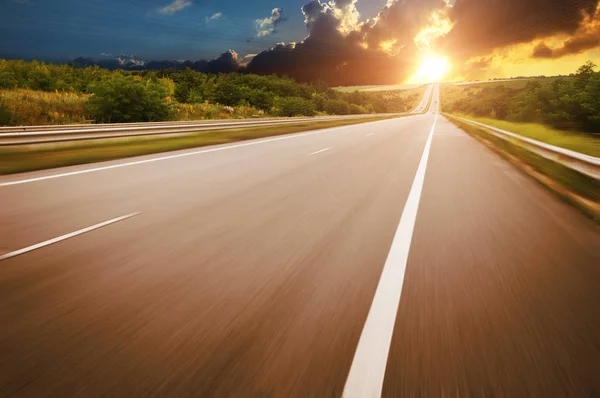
<point>483,25</point>
<point>214,17</point>
<point>586,37</point>
<point>175,6</point>
<point>266,26</point>
<point>331,52</point>
<point>479,36</point>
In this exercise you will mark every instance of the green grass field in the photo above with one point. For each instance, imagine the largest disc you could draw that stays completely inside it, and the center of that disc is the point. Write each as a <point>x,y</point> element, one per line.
<point>578,142</point>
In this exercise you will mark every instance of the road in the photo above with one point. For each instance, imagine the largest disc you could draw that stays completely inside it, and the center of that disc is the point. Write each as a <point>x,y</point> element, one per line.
<point>399,258</point>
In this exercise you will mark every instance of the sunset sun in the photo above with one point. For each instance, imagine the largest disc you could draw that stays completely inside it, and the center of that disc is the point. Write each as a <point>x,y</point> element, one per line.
<point>433,68</point>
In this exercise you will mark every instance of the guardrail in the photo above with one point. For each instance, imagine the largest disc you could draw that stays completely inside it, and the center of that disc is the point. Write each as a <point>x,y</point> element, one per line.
<point>585,164</point>
<point>28,135</point>
<point>77,133</point>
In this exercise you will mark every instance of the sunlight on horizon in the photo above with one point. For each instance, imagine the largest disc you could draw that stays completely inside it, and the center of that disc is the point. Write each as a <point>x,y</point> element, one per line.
<point>433,68</point>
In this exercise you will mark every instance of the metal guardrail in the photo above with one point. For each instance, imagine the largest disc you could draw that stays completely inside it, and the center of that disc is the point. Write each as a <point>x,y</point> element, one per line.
<point>124,131</point>
<point>28,135</point>
<point>585,164</point>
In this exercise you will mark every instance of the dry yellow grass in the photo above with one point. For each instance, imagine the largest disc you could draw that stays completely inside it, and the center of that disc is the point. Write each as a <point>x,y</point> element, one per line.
<point>31,107</point>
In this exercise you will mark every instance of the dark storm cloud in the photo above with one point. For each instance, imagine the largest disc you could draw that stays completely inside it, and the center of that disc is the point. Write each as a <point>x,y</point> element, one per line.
<point>586,37</point>
<point>482,25</point>
<point>574,45</point>
<point>328,54</point>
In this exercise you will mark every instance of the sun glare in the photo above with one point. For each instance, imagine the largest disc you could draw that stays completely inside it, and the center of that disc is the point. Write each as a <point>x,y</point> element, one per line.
<point>433,68</point>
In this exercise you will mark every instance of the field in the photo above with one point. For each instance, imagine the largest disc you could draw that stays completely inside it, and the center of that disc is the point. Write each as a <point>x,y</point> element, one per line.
<point>374,88</point>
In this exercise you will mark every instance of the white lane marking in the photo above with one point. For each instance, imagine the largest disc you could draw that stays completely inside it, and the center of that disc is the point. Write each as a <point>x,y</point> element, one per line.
<point>64,237</point>
<point>322,150</point>
<point>368,135</point>
<point>368,366</point>
<point>180,155</point>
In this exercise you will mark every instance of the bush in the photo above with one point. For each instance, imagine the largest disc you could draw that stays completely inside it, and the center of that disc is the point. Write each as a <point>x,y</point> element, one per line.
<point>125,99</point>
<point>261,100</point>
<point>357,110</point>
<point>228,93</point>
<point>337,107</point>
<point>295,106</point>
<point>5,114</point>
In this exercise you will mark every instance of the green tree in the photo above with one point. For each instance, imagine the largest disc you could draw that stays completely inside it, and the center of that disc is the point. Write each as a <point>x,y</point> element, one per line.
<point>591,104</point>
<point>261,100</point>
<point>583,74</point>
<point>125,99</point>
<point>337,107</point>
<point>295,106</point>
<point>228,93</point>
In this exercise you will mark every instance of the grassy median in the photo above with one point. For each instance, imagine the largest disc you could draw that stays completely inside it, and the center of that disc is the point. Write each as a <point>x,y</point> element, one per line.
<point>21,158</point>
<point>578,142</point>
<point>575,188</point>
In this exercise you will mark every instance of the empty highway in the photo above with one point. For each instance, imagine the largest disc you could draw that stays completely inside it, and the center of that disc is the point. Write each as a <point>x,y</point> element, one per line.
<point>398,258</point>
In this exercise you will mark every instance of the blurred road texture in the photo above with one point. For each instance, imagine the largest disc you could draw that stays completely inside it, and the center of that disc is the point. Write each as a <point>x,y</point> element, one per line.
<point>250,270</point>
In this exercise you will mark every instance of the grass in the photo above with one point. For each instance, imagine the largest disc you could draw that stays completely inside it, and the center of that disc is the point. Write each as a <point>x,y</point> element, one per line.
<point>17,159</point>
<point>578,142</point>
<point>516,83</point>
<point>32,107</point>
<point>575,188</point>
<point>393,87</point>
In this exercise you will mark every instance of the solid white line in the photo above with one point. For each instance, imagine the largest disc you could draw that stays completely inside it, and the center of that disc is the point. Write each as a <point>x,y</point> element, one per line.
<point>368,366</point>
<point>322,150</point>
<point>180,155</point>
<point>63,237</point>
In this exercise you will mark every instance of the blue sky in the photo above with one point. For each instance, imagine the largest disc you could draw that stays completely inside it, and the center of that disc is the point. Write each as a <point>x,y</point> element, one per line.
<point>65,29</point>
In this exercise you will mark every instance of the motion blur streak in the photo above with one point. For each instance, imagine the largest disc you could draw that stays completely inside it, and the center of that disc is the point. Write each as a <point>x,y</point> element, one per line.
<point>250,273</point>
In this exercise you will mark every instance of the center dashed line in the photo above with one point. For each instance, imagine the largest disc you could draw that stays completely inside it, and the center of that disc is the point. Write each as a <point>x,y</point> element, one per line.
<point>322,150</point>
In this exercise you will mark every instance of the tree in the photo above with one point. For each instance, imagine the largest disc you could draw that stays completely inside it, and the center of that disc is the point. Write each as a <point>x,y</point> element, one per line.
<point>295,106</point>
<point>337,107</point>
<point>591,104</point>
<point>583,74</point>
<point>261,100</point>
<point>124,99</point>
<point>228,93</point>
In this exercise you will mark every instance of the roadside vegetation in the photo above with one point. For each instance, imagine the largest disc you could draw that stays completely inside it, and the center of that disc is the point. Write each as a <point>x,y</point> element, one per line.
<point>36,93</point>
<point>569,103</point>
<point>578,142</point>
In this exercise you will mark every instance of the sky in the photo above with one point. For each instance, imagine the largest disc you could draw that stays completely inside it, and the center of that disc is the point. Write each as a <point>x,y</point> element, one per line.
<point>339,41</point>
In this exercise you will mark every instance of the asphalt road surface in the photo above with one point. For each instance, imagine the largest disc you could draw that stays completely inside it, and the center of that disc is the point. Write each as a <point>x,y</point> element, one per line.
<point>399,258</point>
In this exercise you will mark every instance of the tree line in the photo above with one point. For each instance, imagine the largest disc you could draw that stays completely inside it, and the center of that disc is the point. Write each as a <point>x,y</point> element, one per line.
<point>148,95</point>
<point>569,103</point>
